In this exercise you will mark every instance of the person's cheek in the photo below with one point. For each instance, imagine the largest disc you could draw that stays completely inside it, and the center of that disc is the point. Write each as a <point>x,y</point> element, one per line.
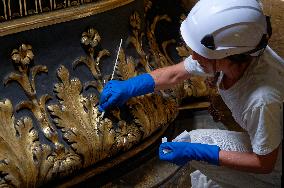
<point>211,68</point>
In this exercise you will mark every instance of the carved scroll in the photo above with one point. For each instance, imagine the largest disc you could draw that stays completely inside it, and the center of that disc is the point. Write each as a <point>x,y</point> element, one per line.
<point>195,86</point>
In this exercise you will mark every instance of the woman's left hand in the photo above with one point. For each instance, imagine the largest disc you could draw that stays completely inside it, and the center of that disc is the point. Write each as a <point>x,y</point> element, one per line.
<point>182,152</point>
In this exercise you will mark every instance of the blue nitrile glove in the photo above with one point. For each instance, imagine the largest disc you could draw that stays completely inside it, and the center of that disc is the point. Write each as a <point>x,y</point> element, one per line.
<point>116,93</point>
<point>182,152</point>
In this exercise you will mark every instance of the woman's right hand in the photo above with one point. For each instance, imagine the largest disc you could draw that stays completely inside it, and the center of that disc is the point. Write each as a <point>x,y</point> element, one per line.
<point>116,93</point>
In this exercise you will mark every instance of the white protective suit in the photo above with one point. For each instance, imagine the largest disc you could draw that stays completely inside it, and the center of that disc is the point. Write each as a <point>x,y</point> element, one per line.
<point>256,103</point>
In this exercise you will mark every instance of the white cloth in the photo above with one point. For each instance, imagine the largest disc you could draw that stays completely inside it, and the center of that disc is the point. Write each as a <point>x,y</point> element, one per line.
<point>199,180</point>
<point>193,67</point>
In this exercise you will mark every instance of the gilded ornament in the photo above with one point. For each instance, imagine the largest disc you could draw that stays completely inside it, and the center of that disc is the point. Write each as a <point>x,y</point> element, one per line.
<point>135,21</point>
<point>136,40</point>
<point>76,117</point>
<point>72,136</point>
<point>90,37</point>
<point>24,55</point>
<point>90,40</point>
<point>147,5</point>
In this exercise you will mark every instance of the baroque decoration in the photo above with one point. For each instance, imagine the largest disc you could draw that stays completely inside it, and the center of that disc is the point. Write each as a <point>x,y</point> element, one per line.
<point>196,86</point>
<point>71,134</point>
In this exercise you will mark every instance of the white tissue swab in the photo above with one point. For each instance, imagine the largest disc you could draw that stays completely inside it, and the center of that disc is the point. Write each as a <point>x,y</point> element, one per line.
<point>112,75</point>
<point>165,139</point>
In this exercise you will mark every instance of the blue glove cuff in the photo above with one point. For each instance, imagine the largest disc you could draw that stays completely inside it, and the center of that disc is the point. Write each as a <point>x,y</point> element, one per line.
<point>214,160</point>
<point>116,93</point>
<point>140,85</point>
<point>203,152</point>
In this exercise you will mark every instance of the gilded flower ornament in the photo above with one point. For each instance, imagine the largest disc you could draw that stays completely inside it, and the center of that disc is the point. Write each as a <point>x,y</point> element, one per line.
<point>135,21</point>
<point>148,5</point>
<point>91,37</point>
<point>24,55</point>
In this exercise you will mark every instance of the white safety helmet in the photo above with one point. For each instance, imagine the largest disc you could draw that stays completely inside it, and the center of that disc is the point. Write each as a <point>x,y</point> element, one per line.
<point>216,29</point>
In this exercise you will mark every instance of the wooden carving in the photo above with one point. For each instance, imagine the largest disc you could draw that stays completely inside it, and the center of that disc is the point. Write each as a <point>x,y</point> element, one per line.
<point>69,135</point>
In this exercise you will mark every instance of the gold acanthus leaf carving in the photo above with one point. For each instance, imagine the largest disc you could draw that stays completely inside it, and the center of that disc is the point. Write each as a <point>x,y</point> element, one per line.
<point>183,51</point>
<point>196,86</point>
<point>126,67</point>
<point>58,160</point>
<point>86,139</point>
<point>162,112</point>
<point>77,116</point>
<point>37,106</point>
<point>122,136</point>
<point>136,40</point>
<point>126,133</point>
<point>24,161</point>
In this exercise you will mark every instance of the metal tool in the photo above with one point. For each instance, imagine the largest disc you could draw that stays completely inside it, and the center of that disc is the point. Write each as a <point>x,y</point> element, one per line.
<point>112,75</point>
